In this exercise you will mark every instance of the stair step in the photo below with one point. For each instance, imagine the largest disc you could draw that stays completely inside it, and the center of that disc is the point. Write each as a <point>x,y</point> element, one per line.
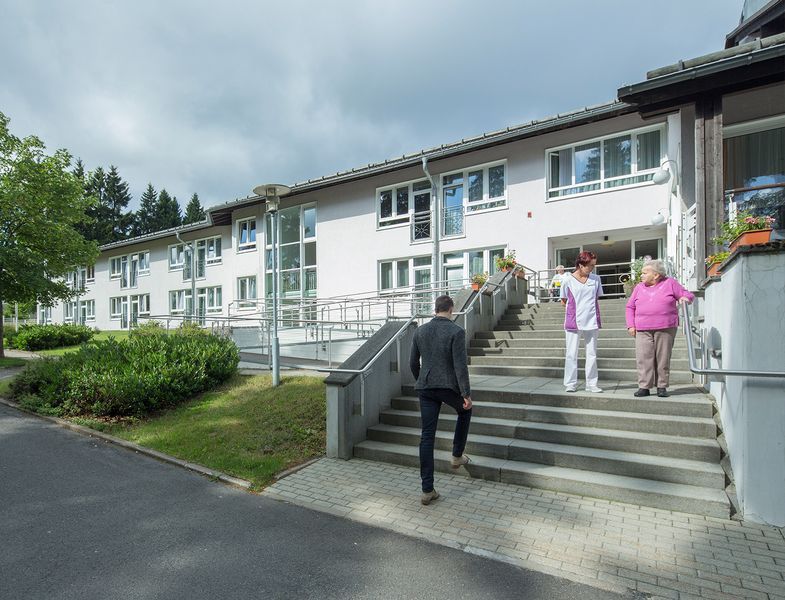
<point>558,352</point>
<point>632,490</point>
<point>702,449</point>
<point>509,339</point>
<point>505,359</point>
<point>673,406</point>
<point>606,374</point>
<point>526,332</point>
<point>699,427</point>
<point>689,472</point>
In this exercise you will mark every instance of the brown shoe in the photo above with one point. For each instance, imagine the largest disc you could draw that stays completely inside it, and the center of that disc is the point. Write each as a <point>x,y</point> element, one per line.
<point>428,497</point>
<point>459,461</point>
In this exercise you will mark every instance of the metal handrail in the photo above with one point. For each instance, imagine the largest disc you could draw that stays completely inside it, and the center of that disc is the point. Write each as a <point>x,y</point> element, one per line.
<point>688,332</point>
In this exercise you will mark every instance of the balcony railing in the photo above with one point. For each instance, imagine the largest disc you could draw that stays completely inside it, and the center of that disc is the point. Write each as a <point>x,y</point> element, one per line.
<point>452,223</point>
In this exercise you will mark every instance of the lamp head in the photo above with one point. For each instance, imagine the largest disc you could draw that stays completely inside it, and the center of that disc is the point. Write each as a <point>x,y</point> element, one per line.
<point>661,176</point>
<point>658,219</point>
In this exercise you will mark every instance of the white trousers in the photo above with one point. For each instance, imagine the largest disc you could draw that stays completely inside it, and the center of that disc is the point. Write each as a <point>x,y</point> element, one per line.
<point>571,359</point>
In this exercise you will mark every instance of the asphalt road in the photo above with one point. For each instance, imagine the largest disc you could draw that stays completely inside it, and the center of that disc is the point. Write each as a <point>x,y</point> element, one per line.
<point>82,519</point>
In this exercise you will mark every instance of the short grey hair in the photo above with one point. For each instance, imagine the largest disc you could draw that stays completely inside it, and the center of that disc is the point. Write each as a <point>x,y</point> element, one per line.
<point>657,266</point>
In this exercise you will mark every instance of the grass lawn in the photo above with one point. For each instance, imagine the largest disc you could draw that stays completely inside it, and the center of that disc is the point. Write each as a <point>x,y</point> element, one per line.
<point>103,335</point>
<point>5,384</point>
<point>246,428</point>
<point>12,362</point>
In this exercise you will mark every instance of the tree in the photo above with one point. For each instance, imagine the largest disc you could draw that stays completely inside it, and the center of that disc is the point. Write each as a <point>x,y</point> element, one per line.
<point>41,205</point>
<point>167,214</point>
<point>194,211</point>
<point>144,219</point>
<point>97,225</point>
<point>116,200</point>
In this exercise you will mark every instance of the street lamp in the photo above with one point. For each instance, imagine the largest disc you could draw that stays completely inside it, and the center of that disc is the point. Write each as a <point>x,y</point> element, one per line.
<point>272,193</point>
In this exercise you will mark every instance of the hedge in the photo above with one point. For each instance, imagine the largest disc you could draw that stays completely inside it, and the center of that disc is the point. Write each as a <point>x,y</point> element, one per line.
<point>129,377</point>
<point>44,337</point>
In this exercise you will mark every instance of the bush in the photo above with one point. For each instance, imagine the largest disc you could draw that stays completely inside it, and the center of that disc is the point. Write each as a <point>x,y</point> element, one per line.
<point>131,377</point>
<point>44,337</point>
<point>9,337</point>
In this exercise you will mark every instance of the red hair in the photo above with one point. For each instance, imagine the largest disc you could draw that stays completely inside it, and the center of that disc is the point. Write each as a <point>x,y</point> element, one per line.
<point>584,258</point>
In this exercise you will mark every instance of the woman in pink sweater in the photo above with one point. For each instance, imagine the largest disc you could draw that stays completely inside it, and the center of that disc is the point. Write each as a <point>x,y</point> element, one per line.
<point>652,319</point>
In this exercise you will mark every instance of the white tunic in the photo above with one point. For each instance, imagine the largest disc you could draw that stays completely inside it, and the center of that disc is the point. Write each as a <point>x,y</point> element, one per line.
<point>583,311</point>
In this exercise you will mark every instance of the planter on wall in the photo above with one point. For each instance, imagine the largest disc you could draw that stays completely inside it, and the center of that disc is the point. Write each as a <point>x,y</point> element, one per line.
<point>476,287</point>
<point>748,238</point>
<point>714,270</point>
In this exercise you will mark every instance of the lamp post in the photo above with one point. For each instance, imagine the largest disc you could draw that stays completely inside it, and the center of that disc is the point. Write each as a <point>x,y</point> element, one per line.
<point>272,193</point>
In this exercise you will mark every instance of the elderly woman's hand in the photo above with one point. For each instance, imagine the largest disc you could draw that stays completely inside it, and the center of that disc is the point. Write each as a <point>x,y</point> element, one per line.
<point>631,331</point>
<point>684,300</point>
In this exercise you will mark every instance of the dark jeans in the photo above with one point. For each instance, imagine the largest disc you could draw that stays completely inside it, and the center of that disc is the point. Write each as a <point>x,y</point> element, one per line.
<point>430,406</point>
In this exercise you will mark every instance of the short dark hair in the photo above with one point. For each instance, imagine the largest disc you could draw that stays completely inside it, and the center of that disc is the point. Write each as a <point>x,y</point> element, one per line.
<point>584,258</point>
<point>443,304</point>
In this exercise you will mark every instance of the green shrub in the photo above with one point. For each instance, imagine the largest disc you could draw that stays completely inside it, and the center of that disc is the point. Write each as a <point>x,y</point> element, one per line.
<point>131,377</point>
<point>9,337</point>
<point>44,337</point>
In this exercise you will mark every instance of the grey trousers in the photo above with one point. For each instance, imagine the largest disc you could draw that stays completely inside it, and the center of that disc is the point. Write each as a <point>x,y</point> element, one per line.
<point>653,356</point>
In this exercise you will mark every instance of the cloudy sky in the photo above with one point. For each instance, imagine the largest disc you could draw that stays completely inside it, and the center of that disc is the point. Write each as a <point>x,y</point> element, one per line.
<point>217,97</point>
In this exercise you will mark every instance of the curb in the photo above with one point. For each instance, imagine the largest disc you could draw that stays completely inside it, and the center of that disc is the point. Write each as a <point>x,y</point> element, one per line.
<point>166,458</point>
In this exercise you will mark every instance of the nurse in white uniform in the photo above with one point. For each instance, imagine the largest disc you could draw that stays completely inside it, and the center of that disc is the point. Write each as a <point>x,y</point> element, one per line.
<point>580,292</point>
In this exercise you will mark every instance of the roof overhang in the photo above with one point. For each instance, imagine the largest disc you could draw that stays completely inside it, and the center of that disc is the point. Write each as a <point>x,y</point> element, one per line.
<point>752,65</point>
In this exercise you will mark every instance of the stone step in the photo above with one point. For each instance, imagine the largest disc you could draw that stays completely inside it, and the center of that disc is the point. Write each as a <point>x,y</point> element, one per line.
<point>524,332</point>
<point>605,374</point>
<point>505,358</point>
<point>647,466</point>
<point>657,494</point>
<point>703,449</point>
<point>698,427</point>
<point>556,318</point>
<point>558,351</point>
<point>501,339</point>
<point>617,330</point>
<point>674,405</point>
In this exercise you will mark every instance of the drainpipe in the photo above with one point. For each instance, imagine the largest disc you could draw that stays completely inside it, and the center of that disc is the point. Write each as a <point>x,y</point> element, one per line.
<point>190,246</point>
<point>435,271</point>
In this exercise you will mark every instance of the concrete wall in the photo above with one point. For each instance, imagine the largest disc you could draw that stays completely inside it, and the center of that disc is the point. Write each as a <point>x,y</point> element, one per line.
<point>744,318</point>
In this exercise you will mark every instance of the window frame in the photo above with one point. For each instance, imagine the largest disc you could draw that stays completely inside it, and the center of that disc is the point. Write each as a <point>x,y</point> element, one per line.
<point>115,274</point>
<point>396,219</point>
<point>205,291</point>
<point>474,207</point>
<point>244,302</point>
<point>602,181</point>
<point>118,300</point>
<point>177,266</point>
<point>303,269</point>
<point>247,246</point>
<point>411,273</point>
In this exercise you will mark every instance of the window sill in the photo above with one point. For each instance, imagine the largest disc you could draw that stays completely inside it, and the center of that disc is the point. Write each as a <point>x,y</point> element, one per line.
<point>379,227</point>
<point>245,249</point>
<point>173,268</point>
<point>600,191</point>
<point>481,211</point>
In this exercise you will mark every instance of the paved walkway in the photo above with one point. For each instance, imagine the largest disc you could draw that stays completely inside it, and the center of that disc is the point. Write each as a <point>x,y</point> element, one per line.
<point>609,545</point>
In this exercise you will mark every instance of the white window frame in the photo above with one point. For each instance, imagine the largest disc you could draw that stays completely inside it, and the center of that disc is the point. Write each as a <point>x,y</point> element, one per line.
<point>474,207</point>
<point>90,310</point>
<point>303,270</point>
<point>396,219</point>
<point>243,300</point>
<point>247,246</point>
<point>69,311</point>
<point>44,315</point>
<point>143,259</point>
<point>176,266</point>
<point>218,258</point>
<point>603,181</point>
<point>143,302</point>
<point>396,284</point>
<point>186,295</point>
<point>116,307</point>
<point>214,291</point>
<point>115,267</point>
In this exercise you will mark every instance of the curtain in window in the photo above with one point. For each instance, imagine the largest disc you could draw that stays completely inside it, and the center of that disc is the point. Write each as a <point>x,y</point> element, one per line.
<point>648,150</point>
<point>618,156</point>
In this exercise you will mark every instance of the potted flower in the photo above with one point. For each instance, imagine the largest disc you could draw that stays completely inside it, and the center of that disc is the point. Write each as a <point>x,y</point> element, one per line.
<point>746,229</point>
<point>478,280</point>
<point>506,262</point>
<point>713,263</point>
<point>633,278</point>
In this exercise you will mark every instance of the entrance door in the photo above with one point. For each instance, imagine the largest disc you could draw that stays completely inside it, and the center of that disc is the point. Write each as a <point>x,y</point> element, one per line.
<point>124,312</point>
<point>652,248</point>
<point>613,261</point>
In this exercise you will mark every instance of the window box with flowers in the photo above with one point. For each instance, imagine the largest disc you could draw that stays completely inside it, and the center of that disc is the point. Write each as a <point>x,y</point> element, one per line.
<point>506,262</point>
<point>745,229</point>
<point>713,263</point>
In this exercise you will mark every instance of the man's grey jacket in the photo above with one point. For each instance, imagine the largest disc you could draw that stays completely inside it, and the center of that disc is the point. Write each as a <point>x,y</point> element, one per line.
<point>442,346</point>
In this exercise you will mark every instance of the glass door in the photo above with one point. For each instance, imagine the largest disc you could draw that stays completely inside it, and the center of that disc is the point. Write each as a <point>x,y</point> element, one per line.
<point>134,311</point>
<point>124,312</point>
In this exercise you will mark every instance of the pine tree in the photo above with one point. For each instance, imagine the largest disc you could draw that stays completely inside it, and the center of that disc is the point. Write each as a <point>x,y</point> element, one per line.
<point>144,219</point>
<point>194,211</point>
<point>167,212</point>
<point>98,227</point>
<point>117,199</point>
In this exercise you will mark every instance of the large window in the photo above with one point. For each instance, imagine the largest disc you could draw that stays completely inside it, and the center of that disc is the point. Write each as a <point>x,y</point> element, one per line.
<point>116,307</point>
<point>754,165</point>
<point>628,159</point>
<point>179,301</point>
<point>471,190</point>
<point>395,204</point>
<point>176,257</point>
<point>89,310</point>
<point>246,292</point>
<point>246,234</point>
<point>296,252</point>
<point>405,273</point>
<point>142,301</point>
<point>210,298</point>
<point>458,267</point>
<point>127,268</point>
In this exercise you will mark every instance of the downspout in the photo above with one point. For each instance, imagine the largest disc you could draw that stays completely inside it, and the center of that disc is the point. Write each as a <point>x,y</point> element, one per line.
<point>193,272</point>
<point>435,271</point>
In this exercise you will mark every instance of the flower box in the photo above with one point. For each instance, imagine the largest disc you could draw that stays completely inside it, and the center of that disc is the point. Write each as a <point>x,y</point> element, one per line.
<point>714,270</point>
<point>748,238</point>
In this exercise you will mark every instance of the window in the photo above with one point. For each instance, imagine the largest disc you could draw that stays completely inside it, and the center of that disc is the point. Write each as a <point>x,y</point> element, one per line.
<point>89,310</point>
<point>179,301</point>
<point>116,307</point>
<point>114,268</point>
<point>213,249</point>
<point>296,252</point>
<point>458,267</point>
<point>142,301</point>
<point>614,161</point>
<point>403,272</point>
<point>214,302</point>
<point>144,262</point>
<point>44,314</point>
<point>89,274</point>
<point>485,188</point>
<point>246,292</point>
<point>176,257</point>
<point>246,234</point>
<point>396,204</point>
<point>68,311</point>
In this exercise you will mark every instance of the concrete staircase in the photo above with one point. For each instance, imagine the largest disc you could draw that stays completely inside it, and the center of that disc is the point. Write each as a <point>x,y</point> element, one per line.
<point>658,452</point>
